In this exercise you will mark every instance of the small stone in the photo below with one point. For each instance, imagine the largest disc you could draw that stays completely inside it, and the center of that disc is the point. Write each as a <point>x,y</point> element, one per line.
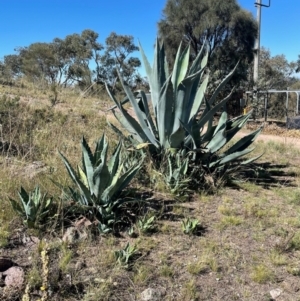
<point>31,241</point>
<point>79,265</point>
<point>151,294</point>
<point>99,280</point>
<point>275,293</point>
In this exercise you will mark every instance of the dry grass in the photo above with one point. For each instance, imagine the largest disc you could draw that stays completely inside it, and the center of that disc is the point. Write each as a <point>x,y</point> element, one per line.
<point>250,241</point>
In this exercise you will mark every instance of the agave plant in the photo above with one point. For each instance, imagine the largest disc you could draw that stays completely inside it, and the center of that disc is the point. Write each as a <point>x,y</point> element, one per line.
<point>174,125</point>
<point>100,181</point>
<point>189,226</point>
<point>125,255</point>
<point>35,206</point>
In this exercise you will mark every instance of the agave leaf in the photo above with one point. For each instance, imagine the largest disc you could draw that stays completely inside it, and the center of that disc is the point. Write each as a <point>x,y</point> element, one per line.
<point>147,113</point>
<point>129,123</point>
<point>128,127</point>
<point>231,157</point>
<point>16,207</point>
<point>36,196</point>
<point>82,188</point>
<point>222,84</point>
<point>24,196</point>
<point>208,134</point>
<point>146,63</point>
<point>185,99</point>
<point>224,135</point>
<point>83,177</point>
<point>159,72</point>
<point>139,114</point>
<point>165,116</point>
<point>98,151</point>
<point>116,130</point>
<point>180,66</point>
<point>250,160</point>
<point>209,114</point>
<point>109,191</point>
<point>199,61</point>
<point>88,158</point>
<point>244,142</point>
<point>118,183</point>
<point>199,98</point>
<point>222,122</point>
<point>125,179</point>
<point>114,161</point>
<point>101,176</point>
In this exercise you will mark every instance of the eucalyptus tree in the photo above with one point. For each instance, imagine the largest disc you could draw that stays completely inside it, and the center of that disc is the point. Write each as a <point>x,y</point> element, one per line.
<point>118,57</point>
<point>228,29</point>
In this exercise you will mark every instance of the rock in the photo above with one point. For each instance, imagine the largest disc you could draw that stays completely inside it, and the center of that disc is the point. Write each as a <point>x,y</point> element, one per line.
<point>14,276</point>
<point>70,235</point>
<point>151,294</point>
<point>78,232</point>
<point>30,241</point>
<point>275,293</point>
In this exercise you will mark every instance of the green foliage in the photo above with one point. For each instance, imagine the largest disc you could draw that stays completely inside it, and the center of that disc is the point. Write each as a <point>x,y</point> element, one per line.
<point>229,30</point>
<point>146,224</point>
<point>117,56</point>
<point>176,178</point>
<point>189,226</point>
<point>174,127</point>
<point>66,61</point>
<point>34,208</point>
<point>100,182</point>
<point>125,255</point>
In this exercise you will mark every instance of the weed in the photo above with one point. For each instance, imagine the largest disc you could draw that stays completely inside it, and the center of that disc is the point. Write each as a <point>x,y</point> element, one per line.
<point>34,278</point>
<point>66,256</point>
<point>277,258</point>
<point>165,228</point>
<point>141,274</point>
<point>197,268</point>
<point>293,270</point>
<point>166,271</point>
<point>262,274</point>
<point>4,235</point>
<point>189,290</point>
<point>229,221</point>
<point>295,242</point>
<point>226,210</point>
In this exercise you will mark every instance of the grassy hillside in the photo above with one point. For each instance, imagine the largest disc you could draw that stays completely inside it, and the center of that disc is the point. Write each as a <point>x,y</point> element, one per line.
<point>246,244</point>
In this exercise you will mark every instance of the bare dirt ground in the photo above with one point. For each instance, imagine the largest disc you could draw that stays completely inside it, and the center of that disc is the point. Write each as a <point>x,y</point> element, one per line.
<point>274,131</point>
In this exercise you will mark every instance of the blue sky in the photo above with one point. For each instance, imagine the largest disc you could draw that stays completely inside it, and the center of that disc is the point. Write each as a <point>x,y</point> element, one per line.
<point>27,21</point>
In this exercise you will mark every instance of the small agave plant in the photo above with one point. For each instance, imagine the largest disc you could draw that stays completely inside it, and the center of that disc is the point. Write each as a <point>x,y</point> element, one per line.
<point>101,181</point>
<point>35,206</point>
<point>175,126</point>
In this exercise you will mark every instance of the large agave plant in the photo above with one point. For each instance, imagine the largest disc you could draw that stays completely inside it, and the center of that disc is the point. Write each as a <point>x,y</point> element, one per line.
<point>100,181</point>
<point>174,125</point>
